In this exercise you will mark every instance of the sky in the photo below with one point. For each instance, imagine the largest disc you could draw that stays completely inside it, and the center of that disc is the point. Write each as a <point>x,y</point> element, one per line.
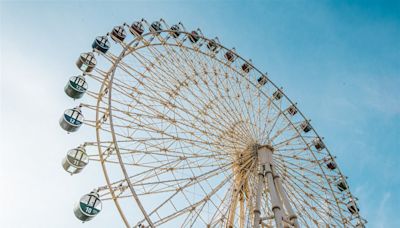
<point>339,60</point>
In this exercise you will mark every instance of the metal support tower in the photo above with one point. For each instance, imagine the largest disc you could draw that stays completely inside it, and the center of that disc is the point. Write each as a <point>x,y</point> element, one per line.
<point>279,199</point>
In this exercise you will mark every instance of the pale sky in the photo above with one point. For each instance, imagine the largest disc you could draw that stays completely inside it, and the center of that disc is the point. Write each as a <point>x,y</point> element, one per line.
<point>339,61</point>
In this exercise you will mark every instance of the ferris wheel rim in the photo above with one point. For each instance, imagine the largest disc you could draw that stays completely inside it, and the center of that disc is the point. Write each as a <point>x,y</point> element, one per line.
<point>122,165</point>
<point>103,165</point>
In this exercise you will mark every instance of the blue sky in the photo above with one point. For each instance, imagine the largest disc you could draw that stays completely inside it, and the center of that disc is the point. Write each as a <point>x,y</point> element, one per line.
<point>340,61</point>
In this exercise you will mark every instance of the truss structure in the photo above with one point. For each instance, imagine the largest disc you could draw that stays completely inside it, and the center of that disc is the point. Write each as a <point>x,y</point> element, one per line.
<point>188,133</point>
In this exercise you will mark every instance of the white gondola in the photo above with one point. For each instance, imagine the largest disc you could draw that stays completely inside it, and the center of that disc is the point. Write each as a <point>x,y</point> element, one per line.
<point>262,80</point>
<point>330,163</point>
<point>318,144</point>
<point>341,184</point>
<point>75,160</point>
<point>212,46</point>
<point>277,94</point>
<point>230,56</point>
<point>305,126</point>
<point>292,110</point>
<point>71,120</point>
<point>76,87</point>
<point>352,207</point>
<point>86,62</point>
<point>88,206</point>
<point>246,67</point>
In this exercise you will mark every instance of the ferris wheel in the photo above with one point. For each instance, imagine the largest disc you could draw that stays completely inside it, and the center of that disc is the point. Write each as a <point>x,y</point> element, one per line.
<point>190,134</point>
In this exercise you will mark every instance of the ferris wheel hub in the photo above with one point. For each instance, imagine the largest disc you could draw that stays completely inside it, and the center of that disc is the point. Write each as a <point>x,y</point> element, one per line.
<point>266,146</point>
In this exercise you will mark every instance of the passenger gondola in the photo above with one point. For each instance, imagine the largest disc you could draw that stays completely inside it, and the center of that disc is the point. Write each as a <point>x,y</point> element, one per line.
<point>318,144</point>
<point>75,160</point>
<point>136,28</point>
<point>76,87</point>
<point>88,206</point>
<point>305,126</point>
<point>262,80</point>
<point>71,120</point>
<point>194,37</point>
<point>175,31</point>
<point>155,27</point>
<point>101,44</point>
<point>86,62</point>
<point>118,34</point>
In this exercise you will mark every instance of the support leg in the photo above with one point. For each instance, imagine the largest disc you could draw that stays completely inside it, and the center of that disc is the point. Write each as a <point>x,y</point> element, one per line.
<point>257,212</point>
<point>279,199</point>
<point>242,212</point>
<point>264,154</point>
<point>278,215</point>
<point>232,210</point>
<point>286,203</point>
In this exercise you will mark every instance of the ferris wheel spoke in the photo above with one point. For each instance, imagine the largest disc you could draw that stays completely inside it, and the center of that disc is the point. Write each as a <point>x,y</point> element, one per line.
<point>246,117</point>
<point>206,84</point>
<point>283,151</point>
<point>149,183</point>
<point>219,214</point>
<point>294,156</point>
<point>312,213</point>
<point>193,205</point>
<point>247,112</point>
<point>300,210</point>
<point>194,143</point>
<point>98,76</point>
<point>265,122</point>
<point>214,65</point>
<point>293,172</point>
<point>152,170</point>
<point>311,196</point>
<point>228,107</point>
<point>156,130</point>
<point>193,67</point>
<point>312,218</point>
<point>274,121</point>
<point>156,187</point>
<point>294,140</point>
<point>242,174</point>
<point>304,167</point>
<point>287,127</point>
